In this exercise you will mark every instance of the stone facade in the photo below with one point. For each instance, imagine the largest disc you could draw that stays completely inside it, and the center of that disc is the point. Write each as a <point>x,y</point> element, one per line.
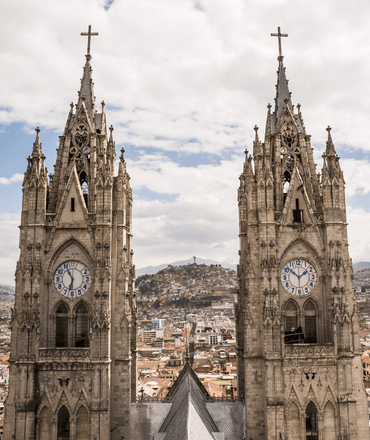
<point>299,353</point>
<point>73,355</point>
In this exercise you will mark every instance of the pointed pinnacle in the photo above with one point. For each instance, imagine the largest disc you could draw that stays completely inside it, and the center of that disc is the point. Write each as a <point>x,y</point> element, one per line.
<point>256,130</point>
<point>122,151</point>
<point>111,128</point>
<point>328,129</point>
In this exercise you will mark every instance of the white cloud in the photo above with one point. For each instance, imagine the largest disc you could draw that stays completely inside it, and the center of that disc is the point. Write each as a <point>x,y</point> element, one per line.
<point>357,176</point>
<point>9,239</point>
<point>17,177</point>
<point>358,234</point>
<point>172,72</point>
<point>202,221</point>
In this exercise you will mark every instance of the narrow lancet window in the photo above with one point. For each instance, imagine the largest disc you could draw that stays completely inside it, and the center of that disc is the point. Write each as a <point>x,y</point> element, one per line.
<point>61,326</point>
<point>81,326</point>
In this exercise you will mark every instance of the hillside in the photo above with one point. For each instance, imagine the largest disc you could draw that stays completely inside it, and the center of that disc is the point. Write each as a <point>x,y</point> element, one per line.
<point>150,270</point>
<point>361,265</point>
<point>6,290</point>
<point>196,285</point>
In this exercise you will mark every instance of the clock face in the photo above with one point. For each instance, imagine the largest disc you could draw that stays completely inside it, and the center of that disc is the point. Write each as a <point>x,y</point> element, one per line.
<point>72,279</point>
<point>299,277</point>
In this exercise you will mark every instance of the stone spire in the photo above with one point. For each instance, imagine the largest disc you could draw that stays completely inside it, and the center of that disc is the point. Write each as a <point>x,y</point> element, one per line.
<point>86,93</point>
<point>282,93</point>
<point>36,160</point>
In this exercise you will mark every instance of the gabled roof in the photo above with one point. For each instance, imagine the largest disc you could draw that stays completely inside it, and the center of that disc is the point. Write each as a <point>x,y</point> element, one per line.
<point>188,418</point>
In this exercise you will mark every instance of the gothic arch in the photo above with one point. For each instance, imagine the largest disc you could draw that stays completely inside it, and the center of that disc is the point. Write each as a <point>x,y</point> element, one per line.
<point>85,303</point>
<point>312,418</point>
<point>60,249</point>
<point>291,300</point>
<point>82,403</point>
<point>313,300</point>
<point>43,405</point>
<point>293,421</point>
<point>83,423</point>
<point>329,421</point>
<point>309,246</point>
<point>312,397</point>
<point>44,426</point>
<point>58,302</point>
<point>64,427</point>
<point>63,401</point>
<point>125,323</point>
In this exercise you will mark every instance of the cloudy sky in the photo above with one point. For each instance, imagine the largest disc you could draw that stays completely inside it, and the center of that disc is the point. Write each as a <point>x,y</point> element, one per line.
<point>184,82</point>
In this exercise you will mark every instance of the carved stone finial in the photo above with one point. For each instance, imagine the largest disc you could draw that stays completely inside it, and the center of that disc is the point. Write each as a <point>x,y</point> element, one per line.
<point>255,128</point>
<point>37,130</point>
<point>328,129</point>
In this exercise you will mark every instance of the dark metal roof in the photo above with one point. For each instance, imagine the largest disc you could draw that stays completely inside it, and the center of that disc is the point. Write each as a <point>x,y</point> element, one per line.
<point>188,418</point>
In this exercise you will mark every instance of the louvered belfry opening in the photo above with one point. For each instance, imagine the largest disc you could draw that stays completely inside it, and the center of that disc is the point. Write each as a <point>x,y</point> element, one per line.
<point>61,330</point>
<point>81,326</point>
<point>310,323</point>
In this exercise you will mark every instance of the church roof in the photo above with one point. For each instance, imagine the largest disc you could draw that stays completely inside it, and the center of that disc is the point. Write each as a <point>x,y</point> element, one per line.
<point>188,418</point>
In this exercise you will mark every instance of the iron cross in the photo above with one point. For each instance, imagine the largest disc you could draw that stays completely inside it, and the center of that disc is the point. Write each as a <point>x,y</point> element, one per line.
<point>88,35</point>
<point>279,35</point>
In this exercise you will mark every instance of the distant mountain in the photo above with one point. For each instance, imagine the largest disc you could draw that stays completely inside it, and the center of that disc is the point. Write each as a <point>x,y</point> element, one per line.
<point>6,290</point>
<point>150,270</point>
<point>361,265</point>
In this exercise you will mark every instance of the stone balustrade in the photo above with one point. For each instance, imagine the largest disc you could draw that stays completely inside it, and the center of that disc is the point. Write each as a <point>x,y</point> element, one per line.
<point>64,354</point>
<point>309,350</point>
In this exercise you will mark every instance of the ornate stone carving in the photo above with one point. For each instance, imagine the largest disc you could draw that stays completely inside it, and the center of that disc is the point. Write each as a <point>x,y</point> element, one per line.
<point>309,350</point>
<point>65,354</point>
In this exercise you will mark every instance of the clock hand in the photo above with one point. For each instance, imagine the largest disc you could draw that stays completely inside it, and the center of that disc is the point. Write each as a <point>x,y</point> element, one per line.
<point>294,273</point>
<point>72,279</point>
<point>304,273</point>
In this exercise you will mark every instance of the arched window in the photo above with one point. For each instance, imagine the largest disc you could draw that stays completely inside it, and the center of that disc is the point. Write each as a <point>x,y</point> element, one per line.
<point>44,424</point>
<point>61,326</point>
<point>63,424</point>
<point>84,186</point>
<point>311,422</point>
<point>81,326</point>
<point>310,332</point>
<point>291,322</point>
<point>293,331</point>
<point>82,424</point>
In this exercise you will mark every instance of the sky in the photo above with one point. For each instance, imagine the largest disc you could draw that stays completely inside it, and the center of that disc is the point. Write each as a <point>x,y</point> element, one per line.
<point>184,83</point>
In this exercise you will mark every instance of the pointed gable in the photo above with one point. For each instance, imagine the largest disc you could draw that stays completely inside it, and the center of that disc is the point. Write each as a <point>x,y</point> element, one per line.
<point>72,211</point>
<point>188,418</point>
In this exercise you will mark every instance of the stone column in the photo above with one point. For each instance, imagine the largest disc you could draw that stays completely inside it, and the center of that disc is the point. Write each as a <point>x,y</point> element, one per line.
<point>302,419</point>
<point>320,426</point>
<point>54,428</point>
<point>73,428</point>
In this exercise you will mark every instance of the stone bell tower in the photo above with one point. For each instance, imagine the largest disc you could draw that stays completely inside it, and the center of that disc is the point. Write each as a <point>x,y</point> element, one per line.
<point>299,352</point>
<point>73,355</point>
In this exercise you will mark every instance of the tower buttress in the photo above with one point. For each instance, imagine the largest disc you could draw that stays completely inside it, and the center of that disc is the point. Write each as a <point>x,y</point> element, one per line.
<point>73,355</point>
<point>297,321</point>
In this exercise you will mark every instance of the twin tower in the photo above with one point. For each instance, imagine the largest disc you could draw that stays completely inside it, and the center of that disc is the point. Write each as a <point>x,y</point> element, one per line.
<point>73,357</point>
